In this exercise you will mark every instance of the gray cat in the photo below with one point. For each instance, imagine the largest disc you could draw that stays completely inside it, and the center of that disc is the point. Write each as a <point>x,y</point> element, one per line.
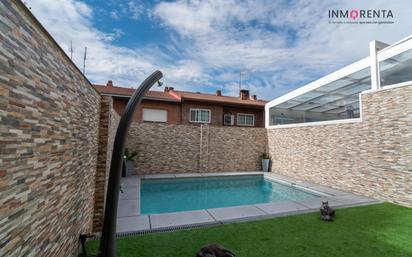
<point>214,250</point>
<point>327,213</point>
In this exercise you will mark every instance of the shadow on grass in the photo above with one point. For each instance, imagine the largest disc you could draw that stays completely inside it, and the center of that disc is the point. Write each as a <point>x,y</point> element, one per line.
<point>378,230</point>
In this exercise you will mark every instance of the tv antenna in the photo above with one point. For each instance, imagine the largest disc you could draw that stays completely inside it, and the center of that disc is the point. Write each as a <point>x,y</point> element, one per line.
<point>241,72</point>
<point>71,50</point>
<point>84,60</point>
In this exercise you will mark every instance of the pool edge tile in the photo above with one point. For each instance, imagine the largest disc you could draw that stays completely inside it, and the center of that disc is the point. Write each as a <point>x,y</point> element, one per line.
<point>281,207</point>
<point>174,219</point>
<point>236,212</point>
<point>128,208</point>
<point>132,223</point>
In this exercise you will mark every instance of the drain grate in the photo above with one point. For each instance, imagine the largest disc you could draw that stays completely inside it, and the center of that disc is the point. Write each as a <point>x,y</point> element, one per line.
<point>163,230</point>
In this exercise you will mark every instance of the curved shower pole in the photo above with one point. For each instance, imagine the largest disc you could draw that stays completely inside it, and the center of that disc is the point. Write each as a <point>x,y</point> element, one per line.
<point>108,240</point>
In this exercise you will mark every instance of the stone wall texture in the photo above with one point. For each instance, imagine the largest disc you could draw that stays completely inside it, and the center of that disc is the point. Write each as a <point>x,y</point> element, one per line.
<point>109,119</point>
<point>167,148</point>
<point>49,119</point>
<point>371,158</point>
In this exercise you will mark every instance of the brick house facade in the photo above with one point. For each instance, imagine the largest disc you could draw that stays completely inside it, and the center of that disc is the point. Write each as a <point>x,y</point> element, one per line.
<point>191,108</point>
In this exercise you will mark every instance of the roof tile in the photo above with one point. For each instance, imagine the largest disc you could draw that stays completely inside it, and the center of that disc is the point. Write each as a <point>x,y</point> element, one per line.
<point>176,95</point>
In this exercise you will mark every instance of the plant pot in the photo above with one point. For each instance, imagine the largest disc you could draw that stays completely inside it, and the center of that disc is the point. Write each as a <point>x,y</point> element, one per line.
<point>265,165</point>
<point>129,168</point>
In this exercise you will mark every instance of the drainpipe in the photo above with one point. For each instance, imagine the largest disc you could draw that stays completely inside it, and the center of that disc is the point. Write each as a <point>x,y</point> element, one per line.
<point>107,246</point>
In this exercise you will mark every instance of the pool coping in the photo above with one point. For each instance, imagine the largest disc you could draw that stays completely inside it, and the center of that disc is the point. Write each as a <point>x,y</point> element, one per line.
<point>130,221</point>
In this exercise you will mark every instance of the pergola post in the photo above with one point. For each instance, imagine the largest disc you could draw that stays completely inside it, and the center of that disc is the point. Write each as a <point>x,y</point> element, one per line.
<point>374,47</point>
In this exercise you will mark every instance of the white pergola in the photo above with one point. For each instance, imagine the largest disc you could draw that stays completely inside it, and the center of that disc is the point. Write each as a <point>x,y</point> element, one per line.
<point>328,99</point>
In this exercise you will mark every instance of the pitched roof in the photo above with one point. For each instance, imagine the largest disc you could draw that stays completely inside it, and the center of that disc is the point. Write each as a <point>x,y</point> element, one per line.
<point>177,96</point>
<point>219,99</point>
<point>127,92</point>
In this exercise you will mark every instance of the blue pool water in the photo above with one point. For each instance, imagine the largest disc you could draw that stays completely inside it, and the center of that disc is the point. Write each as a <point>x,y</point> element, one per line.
<point>173,195</point>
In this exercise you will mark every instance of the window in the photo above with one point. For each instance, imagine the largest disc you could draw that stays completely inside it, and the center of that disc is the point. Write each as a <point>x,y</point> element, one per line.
<point>228,120</point>
<point>200,115</point>
<point>154,115</point>
<point>244,119</point>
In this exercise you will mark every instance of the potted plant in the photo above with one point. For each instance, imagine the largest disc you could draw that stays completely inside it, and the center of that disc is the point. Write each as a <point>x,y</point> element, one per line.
<point>265,157</point>
<point>129,160</point>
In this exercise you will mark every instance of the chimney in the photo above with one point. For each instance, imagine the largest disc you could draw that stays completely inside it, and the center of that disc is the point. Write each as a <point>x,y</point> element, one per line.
<point>219,92</point>
<point>244,94</point>
<point>109,83</point>
<point>171,88</point>
<point>166,89</point>
<point>254,97</point>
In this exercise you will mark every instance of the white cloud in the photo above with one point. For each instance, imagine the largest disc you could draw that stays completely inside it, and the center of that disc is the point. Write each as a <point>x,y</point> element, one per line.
<point>68,20</point>
<point>279,43</point>
<point>292,40</point>
<point>135,9</point>
<point>114,15</point>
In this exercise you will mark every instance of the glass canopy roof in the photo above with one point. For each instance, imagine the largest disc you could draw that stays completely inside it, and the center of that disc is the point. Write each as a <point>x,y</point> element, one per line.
<point>336,96</point>
<point>336,100</point>
<point>396,69</point>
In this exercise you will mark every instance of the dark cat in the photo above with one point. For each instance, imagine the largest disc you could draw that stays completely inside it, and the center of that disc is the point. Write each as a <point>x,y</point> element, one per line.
<point>327,213</point>
<point>214,250</point>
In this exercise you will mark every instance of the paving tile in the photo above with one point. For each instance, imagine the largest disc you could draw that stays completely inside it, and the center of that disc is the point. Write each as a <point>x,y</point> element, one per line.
<point>315,203</point>
<point>131,181</point>
<point>237,212</point>
<point>242,173</point>
<point>281,207</point>
<point>188,175</point>
<point>329,190</point>
<point>354,199</point>
<point>180,218</point>
<point>133,223</point>
<point>127,208</point>
<point>306,184</point>
<point>212,174</point>
<point>132,193</point>
<point>158,176</point>
<point>281,177</point>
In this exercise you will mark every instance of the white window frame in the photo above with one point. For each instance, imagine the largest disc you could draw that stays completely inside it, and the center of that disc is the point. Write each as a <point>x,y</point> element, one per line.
<point>245,125</point>
<point>197,110</point>
<point>163,110</point>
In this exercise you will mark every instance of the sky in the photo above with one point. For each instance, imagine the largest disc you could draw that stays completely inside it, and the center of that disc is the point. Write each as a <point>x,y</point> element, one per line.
<point>274,45</point>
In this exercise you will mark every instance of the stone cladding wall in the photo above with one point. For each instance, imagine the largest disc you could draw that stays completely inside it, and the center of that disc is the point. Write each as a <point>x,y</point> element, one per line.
<point>371,158</point>
<point>167,148</point>
<point>49,120</point>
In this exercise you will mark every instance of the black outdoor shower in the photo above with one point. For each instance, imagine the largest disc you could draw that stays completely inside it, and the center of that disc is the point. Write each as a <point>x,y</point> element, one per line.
<point>107,246</point>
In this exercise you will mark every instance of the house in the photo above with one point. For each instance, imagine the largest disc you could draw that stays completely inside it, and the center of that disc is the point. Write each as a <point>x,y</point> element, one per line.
<point>181,107</point>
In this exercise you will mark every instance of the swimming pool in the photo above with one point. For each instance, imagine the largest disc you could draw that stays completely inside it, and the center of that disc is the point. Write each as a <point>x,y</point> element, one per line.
<point>174,195</point>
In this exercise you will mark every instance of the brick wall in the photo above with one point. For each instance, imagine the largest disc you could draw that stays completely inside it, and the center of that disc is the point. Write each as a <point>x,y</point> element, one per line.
<point>371,158</point>
<point>166,148</point>
<point>216,112</point>
<point>178,113</point>
<point>259,114</point>
<point>49,117</point>
<point>173,109</point>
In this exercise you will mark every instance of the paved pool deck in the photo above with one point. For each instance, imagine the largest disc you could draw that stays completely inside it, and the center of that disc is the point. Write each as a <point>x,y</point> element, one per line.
<point>129,219</point>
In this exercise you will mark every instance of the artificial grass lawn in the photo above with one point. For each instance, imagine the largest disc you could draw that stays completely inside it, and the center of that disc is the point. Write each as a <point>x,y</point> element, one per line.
<point>376,230</point>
